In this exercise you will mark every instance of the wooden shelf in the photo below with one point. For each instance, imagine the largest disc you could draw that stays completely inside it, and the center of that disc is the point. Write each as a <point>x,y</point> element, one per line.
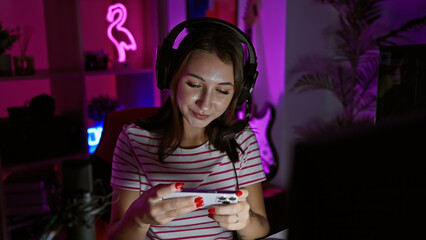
<point>45,74</point>
<point>40,74</point>
<point>118,72</point>
<point>42,163</point>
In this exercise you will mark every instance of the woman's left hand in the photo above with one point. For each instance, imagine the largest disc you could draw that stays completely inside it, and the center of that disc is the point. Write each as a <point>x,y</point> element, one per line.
<point>232,216</point>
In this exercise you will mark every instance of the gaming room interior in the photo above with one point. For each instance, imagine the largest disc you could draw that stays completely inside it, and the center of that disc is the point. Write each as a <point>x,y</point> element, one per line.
<point>338,108</point>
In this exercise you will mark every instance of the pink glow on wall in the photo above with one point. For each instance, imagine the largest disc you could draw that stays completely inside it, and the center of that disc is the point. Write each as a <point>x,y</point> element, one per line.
<point>117,22</point>
<point>260,127</point>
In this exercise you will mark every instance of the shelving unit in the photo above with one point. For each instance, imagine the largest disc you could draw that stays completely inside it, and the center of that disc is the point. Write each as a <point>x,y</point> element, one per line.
<point>67,77</point>
<point>45,74</point>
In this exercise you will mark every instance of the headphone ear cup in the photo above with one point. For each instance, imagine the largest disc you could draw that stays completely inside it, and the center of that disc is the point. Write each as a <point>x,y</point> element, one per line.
<point>162,67</point>
<point>243,95</point>
<point>250,76</point>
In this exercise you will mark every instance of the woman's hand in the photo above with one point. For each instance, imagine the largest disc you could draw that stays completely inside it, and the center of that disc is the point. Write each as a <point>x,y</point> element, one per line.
<point>151,209</point>
<point>233,216</point>
<point>247,217</point>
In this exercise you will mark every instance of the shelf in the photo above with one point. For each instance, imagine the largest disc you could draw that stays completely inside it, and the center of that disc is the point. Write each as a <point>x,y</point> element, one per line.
<point>42,163</point>
<point>118,72</point>
<point>40,74</point>
<point>44,74</point>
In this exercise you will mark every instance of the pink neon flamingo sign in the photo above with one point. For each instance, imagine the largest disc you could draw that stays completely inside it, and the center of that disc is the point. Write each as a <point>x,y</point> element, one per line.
<point>117,22</point>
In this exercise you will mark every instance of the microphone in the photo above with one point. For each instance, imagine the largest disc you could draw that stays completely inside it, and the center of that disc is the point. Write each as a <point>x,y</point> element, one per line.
<point>242,123</point>
<point>77,199</point>
<point>80,206</point>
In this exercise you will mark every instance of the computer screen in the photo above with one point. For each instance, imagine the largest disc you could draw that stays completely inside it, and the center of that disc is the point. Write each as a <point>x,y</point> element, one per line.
<point>401,86</point>
<point>364,183</point>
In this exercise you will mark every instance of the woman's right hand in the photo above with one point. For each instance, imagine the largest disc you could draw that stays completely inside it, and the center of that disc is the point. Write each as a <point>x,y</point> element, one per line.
<point>150,208</point>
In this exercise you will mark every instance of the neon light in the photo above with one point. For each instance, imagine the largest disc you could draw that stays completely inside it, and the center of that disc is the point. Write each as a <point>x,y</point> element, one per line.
<point>93,137</point>
<point>241,115</point>
<point>260,128</point>
<point>121,12</point>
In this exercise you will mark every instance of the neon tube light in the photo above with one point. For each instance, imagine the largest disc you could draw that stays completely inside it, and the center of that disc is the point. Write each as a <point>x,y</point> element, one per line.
<point>117,22</point>
<point>93,137</point>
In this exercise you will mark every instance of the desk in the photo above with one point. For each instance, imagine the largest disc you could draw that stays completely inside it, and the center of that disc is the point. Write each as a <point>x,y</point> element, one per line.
<point>282,235</point>
<point>275,206</point>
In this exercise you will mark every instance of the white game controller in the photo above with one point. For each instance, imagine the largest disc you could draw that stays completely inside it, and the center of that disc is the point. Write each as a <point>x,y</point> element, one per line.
<point>210,197</point>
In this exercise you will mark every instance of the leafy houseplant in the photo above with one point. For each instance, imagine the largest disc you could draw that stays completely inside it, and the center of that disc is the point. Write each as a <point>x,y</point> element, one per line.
<point>7,38</point>
<point>100,106</point>
<point>24,65</point>
<point>351,75</point>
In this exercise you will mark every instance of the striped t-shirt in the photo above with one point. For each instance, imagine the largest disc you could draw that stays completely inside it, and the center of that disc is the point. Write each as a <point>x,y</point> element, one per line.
<point>135,167</point>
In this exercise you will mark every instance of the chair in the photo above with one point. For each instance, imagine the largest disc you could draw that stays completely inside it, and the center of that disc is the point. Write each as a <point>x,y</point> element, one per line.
<point>112,128</point>
<point>101,159</point>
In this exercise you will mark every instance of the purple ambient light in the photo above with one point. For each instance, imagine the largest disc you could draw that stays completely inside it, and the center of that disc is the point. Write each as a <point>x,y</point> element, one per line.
<point>121,12</point>
<point>260,128</point>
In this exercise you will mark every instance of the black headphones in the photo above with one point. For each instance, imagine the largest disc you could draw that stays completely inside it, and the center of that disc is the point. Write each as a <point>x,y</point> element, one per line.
<point>165,53</point>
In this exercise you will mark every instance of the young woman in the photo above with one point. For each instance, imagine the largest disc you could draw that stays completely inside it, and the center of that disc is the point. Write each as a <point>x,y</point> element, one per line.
<point>193,142</point>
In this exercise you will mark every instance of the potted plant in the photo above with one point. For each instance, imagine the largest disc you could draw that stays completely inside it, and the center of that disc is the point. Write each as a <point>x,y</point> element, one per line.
<point>100,106</point>
<point>351,74</point>
<point>24,65</point>
<point>7,38</point>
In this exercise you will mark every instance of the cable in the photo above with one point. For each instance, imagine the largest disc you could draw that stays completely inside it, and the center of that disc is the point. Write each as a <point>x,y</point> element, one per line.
<point>83,210</point>
<point>236,177</point>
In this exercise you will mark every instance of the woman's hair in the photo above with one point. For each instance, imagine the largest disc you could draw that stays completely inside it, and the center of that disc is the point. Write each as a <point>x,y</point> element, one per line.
<point>225,44</point>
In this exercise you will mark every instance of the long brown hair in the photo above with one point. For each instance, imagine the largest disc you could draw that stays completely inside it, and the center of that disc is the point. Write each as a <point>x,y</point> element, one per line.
<point>228,48</point>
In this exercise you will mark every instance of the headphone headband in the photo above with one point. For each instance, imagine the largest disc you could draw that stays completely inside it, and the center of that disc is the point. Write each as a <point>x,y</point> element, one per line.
<point>199,22</point>
<point>166,51</point>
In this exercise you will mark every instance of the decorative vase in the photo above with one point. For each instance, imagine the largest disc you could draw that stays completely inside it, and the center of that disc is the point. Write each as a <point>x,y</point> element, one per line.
<point>24,65</point>
<point>5,65</point>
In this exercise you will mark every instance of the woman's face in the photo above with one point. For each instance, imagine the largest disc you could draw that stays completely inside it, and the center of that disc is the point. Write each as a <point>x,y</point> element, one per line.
<point>205,89</point>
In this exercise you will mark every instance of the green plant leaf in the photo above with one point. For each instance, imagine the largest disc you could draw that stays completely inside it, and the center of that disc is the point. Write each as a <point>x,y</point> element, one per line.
<point>309,82</point>
<point>352,75</point>
<point>416,23</point>
<point>7,38</point>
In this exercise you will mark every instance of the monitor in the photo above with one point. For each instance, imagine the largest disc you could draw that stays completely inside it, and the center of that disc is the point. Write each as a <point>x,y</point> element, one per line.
<point>401,84</point>
<point>363,183</point>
